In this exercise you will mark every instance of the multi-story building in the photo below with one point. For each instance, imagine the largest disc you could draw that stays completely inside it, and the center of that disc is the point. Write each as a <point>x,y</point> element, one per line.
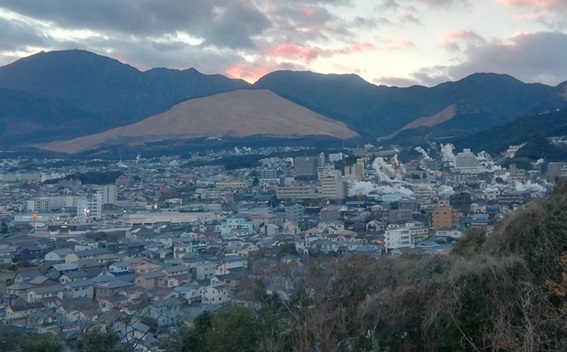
<point>294,212</point>
<point>555,170</point>
<point>235,184</point>
<point>305,166</point>
<point>357,170</point>
<point>466,162</point>
<point>297,192</point>
<point>397,238</point>
<point>267,174</point>
<point>333,186</point>
<point>445,217</point>
<point>90,207</point>
<point>52,203</point>
<point>108,193</point>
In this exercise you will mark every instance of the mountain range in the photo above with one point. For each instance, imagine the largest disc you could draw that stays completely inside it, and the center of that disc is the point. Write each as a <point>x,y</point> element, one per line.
<point>62,95</point>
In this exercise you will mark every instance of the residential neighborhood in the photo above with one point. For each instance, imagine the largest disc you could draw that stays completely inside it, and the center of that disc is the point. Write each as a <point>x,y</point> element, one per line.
<point>163,242</point>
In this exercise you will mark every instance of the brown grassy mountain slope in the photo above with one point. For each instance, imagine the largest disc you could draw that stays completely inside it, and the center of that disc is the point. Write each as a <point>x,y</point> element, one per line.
<point>429,121</point>
<point>239,113</point>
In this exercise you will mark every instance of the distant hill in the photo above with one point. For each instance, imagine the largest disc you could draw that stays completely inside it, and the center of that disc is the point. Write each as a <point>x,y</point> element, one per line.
<point>63,94</point>
<point>241,113</point>
<point>532,130</point>
<point>477,102</point>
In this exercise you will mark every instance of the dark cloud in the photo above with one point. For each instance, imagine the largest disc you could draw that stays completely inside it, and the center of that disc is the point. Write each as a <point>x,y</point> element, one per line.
<point>237,21</point>
<point>531,57</point>
<point>18,35</point>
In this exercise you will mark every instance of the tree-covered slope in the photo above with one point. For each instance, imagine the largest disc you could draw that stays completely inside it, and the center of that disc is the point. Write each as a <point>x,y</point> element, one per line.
<point>532,130</point>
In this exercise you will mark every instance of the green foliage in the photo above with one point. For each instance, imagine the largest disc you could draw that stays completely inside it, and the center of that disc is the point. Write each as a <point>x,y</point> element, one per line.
<point>231,329</point>
<point>285,249</point>
<point>95,340</point>
<point>471,243</point>
<point>23,343</point>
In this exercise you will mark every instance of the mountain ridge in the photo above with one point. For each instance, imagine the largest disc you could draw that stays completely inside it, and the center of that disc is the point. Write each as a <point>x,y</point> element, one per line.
<point>62,95</point>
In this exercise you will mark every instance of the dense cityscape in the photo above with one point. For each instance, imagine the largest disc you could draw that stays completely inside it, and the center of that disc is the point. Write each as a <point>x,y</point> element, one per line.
<point>142,247</point>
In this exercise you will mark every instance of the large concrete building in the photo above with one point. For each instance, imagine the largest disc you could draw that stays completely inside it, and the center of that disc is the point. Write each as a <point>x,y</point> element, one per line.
<point>466,162</point>
<point>297,192</point>
<point>305,166</point>
<point>108,193</point>
<point>445,217</point>
<point>333,186</point>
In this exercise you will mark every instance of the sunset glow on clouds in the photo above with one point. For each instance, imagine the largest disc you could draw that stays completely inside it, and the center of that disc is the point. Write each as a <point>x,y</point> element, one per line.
<point>393,42</point>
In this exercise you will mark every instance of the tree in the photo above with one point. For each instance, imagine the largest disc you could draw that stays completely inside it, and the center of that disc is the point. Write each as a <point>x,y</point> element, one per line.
<point>96,340</point>
<point>232,328</point>
<point>15,342</point>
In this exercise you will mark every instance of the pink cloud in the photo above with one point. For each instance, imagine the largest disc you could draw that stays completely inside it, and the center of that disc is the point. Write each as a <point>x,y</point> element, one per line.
<point>294,51</point>
<point>308,54</point>
<point>308,11</point>
<point>534,3</point>
<point>394,42</point>
<point>455,40</point>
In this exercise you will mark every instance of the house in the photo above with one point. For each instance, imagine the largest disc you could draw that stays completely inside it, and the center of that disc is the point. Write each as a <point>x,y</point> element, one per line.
<point>24,276</point>
<point>190,291</point>
<point>151,279</point>
<point>119,268</point>
<point>204,270</point>
<point>216,294</point>
<point>41,280</point>
<point>76,289</point>
<point>375,226</point>
<point>57,255</point>
<point>71,276</point>
<point>19,289</point>
<point>93,253</point>
<point>56,270</point>
<point>110,288</point>
<point>39,293</point>
<point>176,270</point>
<point>247,248</point>
<point>21,311</point>
<point>166,312</point>
<point>6,256</point>
<point>174,281</point>
<point>230,262</point>
<point>146,267</point>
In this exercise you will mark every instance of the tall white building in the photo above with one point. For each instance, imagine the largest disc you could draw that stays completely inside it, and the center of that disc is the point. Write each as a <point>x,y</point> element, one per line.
<point>397,238</point>
<point>89,207</point>
<point>108,193</point>
<point>467,162</point>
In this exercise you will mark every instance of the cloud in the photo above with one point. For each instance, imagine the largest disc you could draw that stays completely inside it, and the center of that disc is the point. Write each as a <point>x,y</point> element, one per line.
<point>395,42</point>
<point>455,40</point>
<point>551,13</point>
<point>307,55</point>
<point>230,23</point>
<point>17,35</point>
<point>252,71</point>
<point>396,4</point>
<point>530,57</point>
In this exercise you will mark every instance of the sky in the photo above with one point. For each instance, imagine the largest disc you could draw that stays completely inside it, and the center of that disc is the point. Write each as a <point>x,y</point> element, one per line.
<point>386,42</point>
